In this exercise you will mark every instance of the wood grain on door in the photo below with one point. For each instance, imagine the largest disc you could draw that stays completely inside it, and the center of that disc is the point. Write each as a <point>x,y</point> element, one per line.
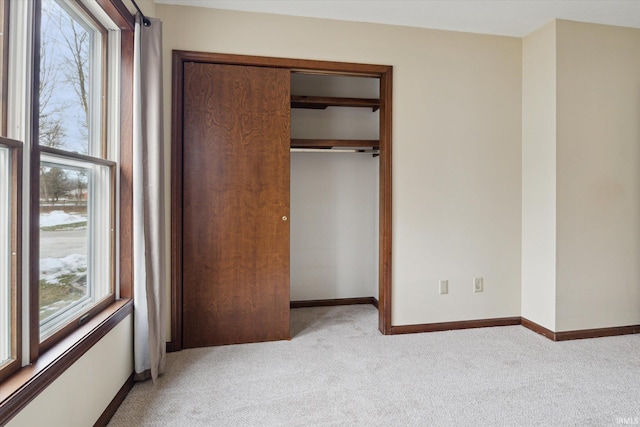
<point>235,224</point>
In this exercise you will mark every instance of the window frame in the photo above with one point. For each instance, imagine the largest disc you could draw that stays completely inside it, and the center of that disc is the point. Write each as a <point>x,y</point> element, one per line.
<point>75,321</point>
<point>15,228</point>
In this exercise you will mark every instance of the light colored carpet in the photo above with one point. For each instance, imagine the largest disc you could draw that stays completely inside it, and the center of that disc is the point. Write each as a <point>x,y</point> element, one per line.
<point>338,370</point>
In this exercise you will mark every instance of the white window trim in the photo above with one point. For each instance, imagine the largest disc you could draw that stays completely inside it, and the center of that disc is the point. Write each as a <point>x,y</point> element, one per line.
<point>6,278</point>
<point>113,129</point>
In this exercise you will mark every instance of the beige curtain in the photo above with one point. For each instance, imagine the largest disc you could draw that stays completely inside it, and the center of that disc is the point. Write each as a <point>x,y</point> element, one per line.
<point>150,264</point>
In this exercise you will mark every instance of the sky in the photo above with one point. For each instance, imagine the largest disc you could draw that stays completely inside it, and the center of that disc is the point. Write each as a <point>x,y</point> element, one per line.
<point>64,98</point>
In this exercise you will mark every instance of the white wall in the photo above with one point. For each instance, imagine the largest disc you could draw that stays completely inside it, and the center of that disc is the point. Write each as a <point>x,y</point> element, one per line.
<point>334,198</point>
<point>334,227</point>
<point>598,178</point>
<point>581,176</point>
<point>147,6</point>
<point>81,394</point>
<point>456,145</point>
<point>539,176</point>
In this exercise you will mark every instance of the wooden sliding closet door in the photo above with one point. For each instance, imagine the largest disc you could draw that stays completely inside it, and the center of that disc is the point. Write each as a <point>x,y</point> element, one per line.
<point>236,133</point>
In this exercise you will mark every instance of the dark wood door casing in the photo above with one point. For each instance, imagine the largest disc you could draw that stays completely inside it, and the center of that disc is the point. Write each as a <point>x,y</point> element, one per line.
<point>383,72</point>
<point>235,204</point>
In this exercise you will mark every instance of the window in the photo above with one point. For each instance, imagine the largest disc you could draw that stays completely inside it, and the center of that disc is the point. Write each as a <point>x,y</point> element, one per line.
<point>76,191</point>
<point>60,91</point>
<point>10,178</point>
<point>75,238</point>
<point>64,65</point>
<point>10,160</point>
<point>72,47</point>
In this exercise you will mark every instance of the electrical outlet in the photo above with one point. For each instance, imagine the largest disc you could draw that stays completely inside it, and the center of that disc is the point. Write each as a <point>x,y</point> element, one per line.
<point>477,284</point>
<point>444,287</point>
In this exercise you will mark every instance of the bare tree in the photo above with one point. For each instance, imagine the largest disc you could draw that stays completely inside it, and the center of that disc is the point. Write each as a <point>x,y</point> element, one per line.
<point>80,185</point>
<point>65,56</point>
<point>74,40</point>
<point>57,184</point>
<point>77,63</point>
<point>52,132</point>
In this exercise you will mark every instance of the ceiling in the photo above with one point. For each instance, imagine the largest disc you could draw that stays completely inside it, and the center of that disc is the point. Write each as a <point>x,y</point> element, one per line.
<point>502,17</point>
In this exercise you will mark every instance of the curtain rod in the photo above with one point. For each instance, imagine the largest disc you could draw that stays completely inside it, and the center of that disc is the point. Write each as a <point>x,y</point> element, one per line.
<point>145,21</point>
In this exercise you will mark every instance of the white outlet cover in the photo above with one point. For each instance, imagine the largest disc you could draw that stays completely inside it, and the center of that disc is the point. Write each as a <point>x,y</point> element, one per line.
<point>477,284</point>
<point>444,287</point>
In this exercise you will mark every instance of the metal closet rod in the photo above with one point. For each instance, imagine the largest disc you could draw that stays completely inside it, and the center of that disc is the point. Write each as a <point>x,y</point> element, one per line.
<point>145,21</point>
<point>334,150</point>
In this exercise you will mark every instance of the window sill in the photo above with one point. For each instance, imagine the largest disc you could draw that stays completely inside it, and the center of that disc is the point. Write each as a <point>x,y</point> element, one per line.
<point>22,387</point>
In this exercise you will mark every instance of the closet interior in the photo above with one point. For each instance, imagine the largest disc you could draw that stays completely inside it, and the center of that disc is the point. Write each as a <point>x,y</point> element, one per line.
<point>334,182</point>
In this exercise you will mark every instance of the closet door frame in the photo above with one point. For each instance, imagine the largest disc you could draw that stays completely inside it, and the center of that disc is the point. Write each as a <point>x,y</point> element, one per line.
<point>383,72</point>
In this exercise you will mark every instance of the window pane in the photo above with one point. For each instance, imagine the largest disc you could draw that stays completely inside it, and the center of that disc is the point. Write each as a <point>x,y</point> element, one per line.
<point>74,240</point>
<point>5,255</point>
<point>70,81</point>
<point>63,238</point>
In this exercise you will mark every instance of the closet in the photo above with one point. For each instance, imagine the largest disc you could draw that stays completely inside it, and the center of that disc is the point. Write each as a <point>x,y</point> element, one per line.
<point>334,188</point>
<point>235,123</point>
